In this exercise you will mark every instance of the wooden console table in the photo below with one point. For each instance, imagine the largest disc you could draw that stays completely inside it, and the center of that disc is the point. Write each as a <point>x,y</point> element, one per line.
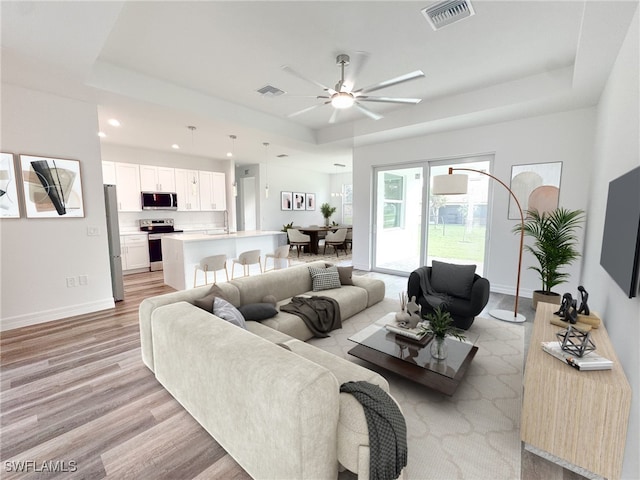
<point>579,417</point>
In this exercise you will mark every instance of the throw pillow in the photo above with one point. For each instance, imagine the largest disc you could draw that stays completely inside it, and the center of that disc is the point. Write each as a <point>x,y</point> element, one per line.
<point>345,274</point>
<point>206,302</point>
<point>455,280</point>
<point>324,278</point>
<point>226,311</point>
<point>270,299</point>
<point>258,311</point>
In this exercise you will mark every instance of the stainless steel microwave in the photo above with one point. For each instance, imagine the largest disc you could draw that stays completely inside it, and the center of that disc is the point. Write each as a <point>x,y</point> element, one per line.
<point>159,201</point>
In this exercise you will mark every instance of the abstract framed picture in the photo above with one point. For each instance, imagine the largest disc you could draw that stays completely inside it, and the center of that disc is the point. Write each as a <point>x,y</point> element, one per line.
<point>536,186</point>
<point>52,187</point>
<point>298,201</point>
<point>286,201</point>
<point>9,206</point>
<point>311,201</point>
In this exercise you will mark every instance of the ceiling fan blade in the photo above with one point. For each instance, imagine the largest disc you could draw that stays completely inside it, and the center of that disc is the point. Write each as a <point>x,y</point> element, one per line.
<point>291,71</point>
<point>368,112</point>
<point>365,98</point>
<point>393,81</point>
<point>358,61</point>
<point>304,110</point>
<point>334,115</point>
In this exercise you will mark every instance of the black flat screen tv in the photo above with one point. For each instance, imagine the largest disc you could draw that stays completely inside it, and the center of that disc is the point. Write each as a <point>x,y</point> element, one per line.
<point>620,255</point>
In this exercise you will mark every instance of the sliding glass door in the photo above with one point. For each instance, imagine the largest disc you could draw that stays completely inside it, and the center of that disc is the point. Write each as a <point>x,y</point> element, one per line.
<point>399,226</point>
<point>455,229</point>
<point>458,223</point>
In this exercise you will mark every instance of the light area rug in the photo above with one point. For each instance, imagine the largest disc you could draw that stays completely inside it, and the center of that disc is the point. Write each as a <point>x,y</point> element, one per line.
<point>473,434</point>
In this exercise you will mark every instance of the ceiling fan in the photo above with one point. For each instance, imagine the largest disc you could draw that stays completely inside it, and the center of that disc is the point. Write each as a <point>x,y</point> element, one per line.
<point>344,96</point>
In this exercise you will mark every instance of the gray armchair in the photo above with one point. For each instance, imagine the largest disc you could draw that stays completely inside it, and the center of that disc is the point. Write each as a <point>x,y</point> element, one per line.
<point>457,287</point>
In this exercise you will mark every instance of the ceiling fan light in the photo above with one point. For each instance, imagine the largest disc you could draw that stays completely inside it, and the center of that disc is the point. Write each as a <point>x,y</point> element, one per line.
<point>342,100</point>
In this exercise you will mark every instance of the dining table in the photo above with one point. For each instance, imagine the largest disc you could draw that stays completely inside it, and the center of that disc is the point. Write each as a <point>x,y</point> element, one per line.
<point>315,231</point>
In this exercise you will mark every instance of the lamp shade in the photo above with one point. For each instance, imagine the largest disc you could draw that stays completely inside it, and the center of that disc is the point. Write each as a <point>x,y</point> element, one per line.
<point>452,184</point>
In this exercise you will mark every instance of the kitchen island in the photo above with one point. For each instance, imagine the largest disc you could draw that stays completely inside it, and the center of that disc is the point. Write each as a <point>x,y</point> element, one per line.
<point>182,252</point>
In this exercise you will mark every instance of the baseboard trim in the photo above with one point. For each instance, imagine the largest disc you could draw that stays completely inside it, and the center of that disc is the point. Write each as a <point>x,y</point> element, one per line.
<point>510,290</point>
<point>35,318</point>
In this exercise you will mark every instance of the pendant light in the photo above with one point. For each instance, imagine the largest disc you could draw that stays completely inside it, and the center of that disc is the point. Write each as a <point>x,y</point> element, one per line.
<point>266,156</point>
<point>231,152</point>
<point>194,181</point>
<point>336,165</point>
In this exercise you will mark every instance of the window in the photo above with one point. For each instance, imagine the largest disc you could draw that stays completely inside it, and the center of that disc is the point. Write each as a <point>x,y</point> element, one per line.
<point>347,204</point>
<point>393,207</point>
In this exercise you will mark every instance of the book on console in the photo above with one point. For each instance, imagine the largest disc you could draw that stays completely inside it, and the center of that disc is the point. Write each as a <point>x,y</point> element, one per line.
<point>591,361</point>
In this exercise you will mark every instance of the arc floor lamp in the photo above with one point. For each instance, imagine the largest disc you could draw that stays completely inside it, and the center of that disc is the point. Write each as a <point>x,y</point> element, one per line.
<point>456,184</point>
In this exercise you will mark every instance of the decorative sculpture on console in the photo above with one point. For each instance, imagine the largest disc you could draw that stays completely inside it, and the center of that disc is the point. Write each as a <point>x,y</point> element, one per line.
<point>568,311</point>
<point>584,295</point>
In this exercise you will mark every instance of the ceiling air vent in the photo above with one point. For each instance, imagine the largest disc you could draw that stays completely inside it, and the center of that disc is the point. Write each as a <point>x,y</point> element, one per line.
<point>270,91</point>
<point>447,12</point>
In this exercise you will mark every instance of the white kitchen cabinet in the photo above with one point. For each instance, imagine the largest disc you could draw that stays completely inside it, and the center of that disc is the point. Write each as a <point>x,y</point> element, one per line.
<point>157,179</point>
<point>135,251</point>
<point>128,187</point>
<point>212,191</point>
<point>188,190</point>
<point>108,173</point>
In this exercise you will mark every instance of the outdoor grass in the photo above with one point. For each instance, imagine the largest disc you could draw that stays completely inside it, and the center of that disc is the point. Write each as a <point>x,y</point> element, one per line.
<point>452,241</point>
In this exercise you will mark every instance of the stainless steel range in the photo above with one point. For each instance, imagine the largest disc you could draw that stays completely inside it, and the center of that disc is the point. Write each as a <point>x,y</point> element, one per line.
<point>156,229</point>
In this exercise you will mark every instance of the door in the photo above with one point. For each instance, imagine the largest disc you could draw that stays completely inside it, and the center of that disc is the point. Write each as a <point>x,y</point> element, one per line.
<point>398,225</point>
<point>249,200</point>
<point>457,229</point>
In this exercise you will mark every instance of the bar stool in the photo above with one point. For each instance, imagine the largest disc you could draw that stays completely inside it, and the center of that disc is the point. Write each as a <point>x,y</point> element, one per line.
<point>246,259</point>
<point>278,256</point>
<point>212,263</point>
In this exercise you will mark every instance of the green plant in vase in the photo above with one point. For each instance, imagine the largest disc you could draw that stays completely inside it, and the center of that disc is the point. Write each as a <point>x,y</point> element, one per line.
<point>327,210</point>
<point>440,326</point>
<point>554,247</point>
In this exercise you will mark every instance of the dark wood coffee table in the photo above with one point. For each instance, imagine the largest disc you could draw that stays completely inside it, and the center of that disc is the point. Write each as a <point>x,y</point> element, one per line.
<point>413,360</point>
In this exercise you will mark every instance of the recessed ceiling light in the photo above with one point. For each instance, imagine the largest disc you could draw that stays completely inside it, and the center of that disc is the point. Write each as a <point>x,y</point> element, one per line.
<point>102,134</point>
<point>175,146</point>
<point>113,122</point>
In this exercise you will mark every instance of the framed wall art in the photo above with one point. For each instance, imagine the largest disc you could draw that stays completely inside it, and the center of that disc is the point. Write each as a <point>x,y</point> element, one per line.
<point>299,201</point>
<point>311,201</point>
<point>9,206</point>
<point>286,201</point>
<point>52,187</point>
<point>536,186</point>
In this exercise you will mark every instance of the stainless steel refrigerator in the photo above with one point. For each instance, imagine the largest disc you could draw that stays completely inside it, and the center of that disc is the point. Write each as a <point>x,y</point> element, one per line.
<point>113,236</point>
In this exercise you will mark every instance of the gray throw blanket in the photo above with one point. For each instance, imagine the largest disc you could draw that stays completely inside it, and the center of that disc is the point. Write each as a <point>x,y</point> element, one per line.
<point>387,430</point>
<point>433,298</point>
<point>320,314</point>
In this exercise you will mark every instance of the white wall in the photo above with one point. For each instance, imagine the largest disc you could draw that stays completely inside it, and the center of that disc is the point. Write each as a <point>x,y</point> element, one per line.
<point>565,137</point>
<point>39,254</point>
<point>281,179</point>
<point>617,151</point>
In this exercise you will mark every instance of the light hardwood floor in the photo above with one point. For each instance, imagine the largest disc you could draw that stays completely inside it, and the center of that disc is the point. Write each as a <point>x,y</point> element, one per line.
<point>75,391</point>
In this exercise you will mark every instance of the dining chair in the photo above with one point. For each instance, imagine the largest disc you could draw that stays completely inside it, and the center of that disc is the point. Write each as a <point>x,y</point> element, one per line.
<point>278,257</point>
<point>298,239</point>
<point>336,239</point>
<point>213,263</point>
<point>348,242</point>
<point>246,259</point>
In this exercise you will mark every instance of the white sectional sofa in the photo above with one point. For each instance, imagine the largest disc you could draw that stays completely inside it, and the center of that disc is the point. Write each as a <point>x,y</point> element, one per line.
<point>270,400</point>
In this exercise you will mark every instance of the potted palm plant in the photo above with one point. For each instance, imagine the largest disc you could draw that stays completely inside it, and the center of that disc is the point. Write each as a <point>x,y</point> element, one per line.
<point>554,247</point>
<point>327,210</point>
<point>440,326</point>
